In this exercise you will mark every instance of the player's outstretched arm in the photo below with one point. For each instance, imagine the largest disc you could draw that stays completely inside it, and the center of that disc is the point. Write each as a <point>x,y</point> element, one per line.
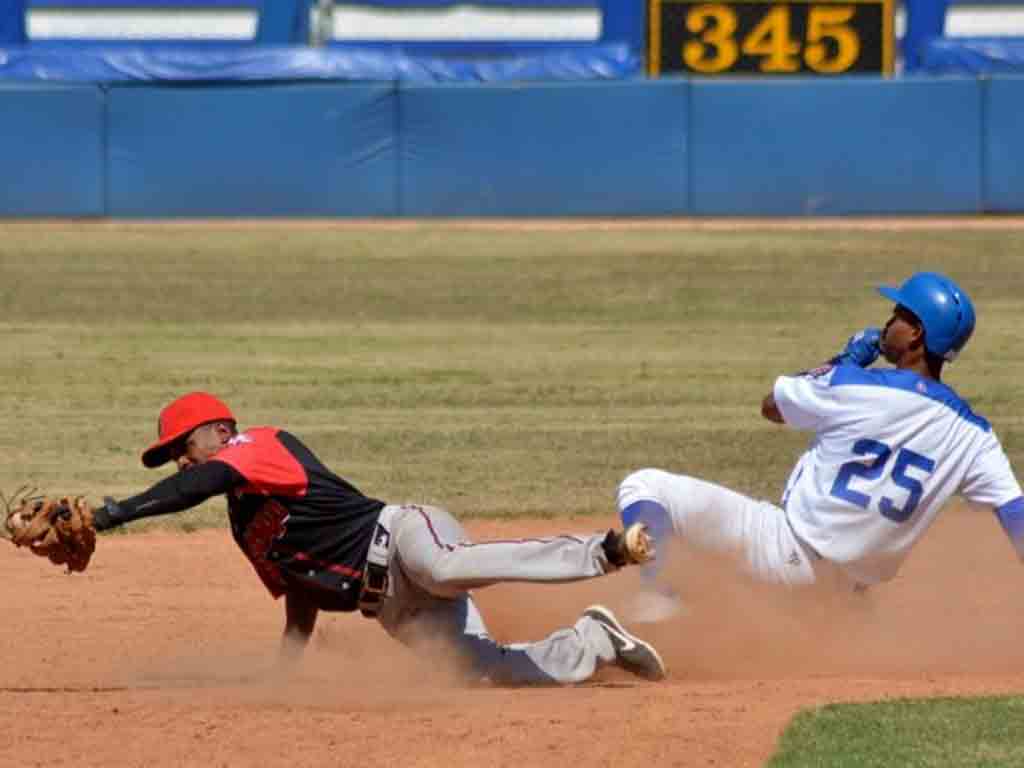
<point>176,493</point>
<point>299,621</point>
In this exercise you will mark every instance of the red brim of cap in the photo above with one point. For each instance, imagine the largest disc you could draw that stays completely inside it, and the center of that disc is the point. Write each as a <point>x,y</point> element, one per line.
<point>159,453</point>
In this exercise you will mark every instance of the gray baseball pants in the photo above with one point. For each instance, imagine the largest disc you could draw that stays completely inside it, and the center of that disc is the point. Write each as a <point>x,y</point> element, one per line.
<point>429,607</point>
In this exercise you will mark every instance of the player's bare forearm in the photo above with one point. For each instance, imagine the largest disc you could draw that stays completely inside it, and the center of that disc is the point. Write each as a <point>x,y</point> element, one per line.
<point>300,619</point>
<point>770,410</point>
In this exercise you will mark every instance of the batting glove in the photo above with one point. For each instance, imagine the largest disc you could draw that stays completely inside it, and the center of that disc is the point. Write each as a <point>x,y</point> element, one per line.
<point>862,349</point>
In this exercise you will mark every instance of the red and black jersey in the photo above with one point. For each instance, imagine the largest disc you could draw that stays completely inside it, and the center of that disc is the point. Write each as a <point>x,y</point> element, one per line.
<point>302,527</point>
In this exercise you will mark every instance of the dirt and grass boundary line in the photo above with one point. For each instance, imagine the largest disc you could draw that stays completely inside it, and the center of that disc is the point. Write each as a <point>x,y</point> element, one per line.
<point>695,224</point>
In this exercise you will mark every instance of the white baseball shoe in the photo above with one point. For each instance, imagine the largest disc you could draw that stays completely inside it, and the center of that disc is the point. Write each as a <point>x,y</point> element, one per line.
<point>631,653</point>
<point>633,546</point>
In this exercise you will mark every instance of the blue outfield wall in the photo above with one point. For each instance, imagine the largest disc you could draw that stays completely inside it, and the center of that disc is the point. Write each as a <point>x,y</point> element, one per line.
<point>597,149</point>
<point>277,150</point>
<point>52,150</point>
<point>827,147</point>
<point>632,148</point>
<point>1003,162</point>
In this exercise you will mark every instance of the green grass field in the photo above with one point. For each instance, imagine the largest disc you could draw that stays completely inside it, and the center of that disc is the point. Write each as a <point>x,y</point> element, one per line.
<point>495,372</point>
<point>934,733</point>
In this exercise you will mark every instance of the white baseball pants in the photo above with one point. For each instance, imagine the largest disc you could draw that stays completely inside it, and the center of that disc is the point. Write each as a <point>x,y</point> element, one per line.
<point>430,609</point>
<point>716,519</point>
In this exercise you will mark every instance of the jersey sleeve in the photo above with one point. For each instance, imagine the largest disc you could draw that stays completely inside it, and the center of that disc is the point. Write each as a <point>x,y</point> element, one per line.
<point>175,493</point>
<point>804,400</point>
<point>990,480</point>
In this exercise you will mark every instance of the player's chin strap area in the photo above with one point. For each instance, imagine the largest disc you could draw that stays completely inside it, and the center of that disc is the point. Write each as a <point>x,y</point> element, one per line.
<point>376,584</point>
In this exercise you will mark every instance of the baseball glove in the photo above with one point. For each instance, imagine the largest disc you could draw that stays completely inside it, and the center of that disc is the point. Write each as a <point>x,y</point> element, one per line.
<point>59,529</point>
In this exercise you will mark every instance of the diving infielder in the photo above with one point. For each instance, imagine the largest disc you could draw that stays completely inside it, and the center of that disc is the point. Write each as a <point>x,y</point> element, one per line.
<point>315,540</point>
<point>889,447</point>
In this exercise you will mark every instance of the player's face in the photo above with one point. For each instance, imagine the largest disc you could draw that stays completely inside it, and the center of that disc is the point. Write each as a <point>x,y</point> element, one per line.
<point>199,447</point>
<point>901,334</point>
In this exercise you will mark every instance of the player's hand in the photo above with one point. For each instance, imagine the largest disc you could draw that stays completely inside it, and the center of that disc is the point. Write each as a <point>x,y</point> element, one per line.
<point>861,349</point>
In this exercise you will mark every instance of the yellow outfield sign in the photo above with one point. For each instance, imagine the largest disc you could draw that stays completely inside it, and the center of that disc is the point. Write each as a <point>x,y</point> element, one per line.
<point>770,37</point>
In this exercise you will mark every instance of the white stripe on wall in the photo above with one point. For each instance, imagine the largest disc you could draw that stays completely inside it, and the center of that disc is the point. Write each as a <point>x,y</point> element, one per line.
<point>143,24</point>
<point>465,23</point>
<point>981,21</point>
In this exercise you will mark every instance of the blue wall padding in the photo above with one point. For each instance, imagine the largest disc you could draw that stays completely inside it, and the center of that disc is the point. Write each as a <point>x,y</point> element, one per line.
<point>299,150</point>
<point>544,150</point>
<point>51,150</point>
<point>629,148</point>
<point>1004,144</point>
<point>852,146</point>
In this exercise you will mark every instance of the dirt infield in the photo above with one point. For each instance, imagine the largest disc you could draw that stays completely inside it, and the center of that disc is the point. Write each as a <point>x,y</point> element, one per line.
<point>162,655</point>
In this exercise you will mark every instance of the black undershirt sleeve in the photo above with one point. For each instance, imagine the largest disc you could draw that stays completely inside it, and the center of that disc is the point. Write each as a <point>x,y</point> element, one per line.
<point>178,492</point>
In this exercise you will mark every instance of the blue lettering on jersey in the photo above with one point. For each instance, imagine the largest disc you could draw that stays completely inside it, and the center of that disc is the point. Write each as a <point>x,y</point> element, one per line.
<point>869,471</point>
<point>905,460</point>
<point>908,381</point>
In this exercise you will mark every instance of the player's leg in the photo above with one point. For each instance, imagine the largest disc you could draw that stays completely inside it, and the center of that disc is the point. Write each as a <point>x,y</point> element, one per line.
<point>436,553</point>
<point>657,599</point>
<point>713,518</point>
<point>572,655</point>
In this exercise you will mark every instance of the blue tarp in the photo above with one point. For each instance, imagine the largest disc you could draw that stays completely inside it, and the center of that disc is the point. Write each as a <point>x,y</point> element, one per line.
<point>972,55</point>
<point>925,20</point>
<point>151,63</point>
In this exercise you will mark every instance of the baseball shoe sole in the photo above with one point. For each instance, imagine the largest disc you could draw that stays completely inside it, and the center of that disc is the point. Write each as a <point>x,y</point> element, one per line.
<point>631,653</point>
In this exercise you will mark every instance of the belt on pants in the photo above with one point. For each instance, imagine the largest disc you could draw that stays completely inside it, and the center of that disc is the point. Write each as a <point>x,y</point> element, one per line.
<point>376,586</point>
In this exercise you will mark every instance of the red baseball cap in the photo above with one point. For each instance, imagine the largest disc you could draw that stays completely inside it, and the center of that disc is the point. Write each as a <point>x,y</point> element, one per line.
<point>179,419</point>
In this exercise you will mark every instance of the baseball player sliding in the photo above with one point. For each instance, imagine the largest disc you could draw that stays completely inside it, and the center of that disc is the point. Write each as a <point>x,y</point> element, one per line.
<point>314,539</point>
<point>890,446</point>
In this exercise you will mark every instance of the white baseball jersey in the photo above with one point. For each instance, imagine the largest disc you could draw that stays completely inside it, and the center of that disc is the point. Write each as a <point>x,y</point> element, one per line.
<point>889,448</point>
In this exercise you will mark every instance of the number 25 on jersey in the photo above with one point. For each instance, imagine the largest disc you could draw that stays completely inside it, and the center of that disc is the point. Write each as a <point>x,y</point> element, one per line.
<point>899,474</point>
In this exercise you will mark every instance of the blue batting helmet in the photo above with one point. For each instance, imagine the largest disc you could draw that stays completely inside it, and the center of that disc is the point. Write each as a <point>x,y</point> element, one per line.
<point>945,311</point>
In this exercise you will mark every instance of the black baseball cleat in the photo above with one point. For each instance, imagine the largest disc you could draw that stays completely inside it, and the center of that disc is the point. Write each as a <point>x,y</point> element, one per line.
<point>632,546</point>
<point>631,653</point>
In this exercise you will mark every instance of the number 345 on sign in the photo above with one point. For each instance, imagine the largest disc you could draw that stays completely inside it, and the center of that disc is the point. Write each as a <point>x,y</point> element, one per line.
<point>770,37</point>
